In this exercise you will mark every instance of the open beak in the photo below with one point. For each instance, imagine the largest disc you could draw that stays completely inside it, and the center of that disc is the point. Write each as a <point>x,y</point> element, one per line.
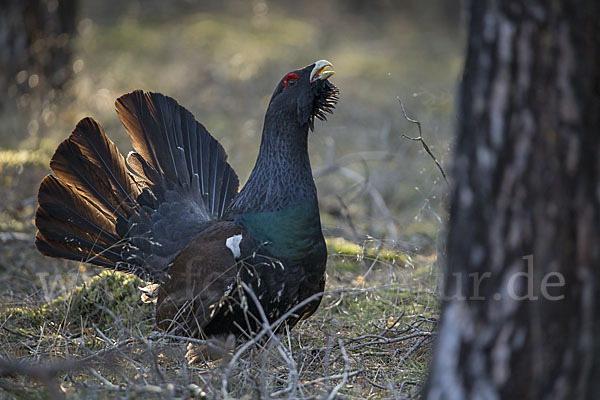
<point>321,71</point>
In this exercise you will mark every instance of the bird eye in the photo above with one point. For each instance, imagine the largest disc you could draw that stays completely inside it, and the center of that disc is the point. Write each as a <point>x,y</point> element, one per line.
<point>290,80</point>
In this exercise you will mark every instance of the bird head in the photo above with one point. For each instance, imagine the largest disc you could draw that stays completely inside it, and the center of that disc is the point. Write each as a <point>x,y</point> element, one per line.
<point>305,94</point>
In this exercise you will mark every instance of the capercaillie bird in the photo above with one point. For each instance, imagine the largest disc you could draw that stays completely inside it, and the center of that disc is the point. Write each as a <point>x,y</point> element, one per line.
<point>172,213</point>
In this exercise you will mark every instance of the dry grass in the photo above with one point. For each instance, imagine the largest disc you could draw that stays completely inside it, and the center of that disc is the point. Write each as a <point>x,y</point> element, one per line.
<point>369,339</point>
<point>69,330</point>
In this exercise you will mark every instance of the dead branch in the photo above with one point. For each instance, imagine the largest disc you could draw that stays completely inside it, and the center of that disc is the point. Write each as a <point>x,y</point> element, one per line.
<point>420,139</point>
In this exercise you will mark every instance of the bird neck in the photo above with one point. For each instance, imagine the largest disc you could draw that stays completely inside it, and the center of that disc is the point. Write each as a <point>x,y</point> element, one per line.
<point>282,176</point>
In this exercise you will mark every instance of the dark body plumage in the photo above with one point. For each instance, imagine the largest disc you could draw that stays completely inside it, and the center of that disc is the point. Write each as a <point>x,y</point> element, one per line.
<point>175,217</point>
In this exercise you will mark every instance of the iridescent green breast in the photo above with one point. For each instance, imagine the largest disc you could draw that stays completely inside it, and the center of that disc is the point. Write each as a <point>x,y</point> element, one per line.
<point>293,235</point>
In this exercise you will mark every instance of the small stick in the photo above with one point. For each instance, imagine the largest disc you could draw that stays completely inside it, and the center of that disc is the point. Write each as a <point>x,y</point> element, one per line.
<point>420,139</point>
<point>340,385</point>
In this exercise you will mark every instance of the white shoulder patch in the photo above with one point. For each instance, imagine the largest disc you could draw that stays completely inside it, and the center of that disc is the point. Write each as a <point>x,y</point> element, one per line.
<point>233,244</point>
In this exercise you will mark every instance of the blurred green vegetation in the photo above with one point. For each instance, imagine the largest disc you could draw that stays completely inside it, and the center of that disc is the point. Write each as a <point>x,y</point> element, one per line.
<point>222,59</point>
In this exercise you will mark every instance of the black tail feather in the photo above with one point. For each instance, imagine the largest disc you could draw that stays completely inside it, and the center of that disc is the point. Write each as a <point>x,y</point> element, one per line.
<point>177,148</point>
<point>71,227</point>
<point>58,249</point>
<point>91,163</point>
<point>142,169</point>
<point>79,209</point>
<point>64,204</point>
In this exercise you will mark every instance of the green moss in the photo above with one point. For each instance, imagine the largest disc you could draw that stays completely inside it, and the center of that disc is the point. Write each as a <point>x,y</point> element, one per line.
<point>342,247</point>
<point>91,305</point>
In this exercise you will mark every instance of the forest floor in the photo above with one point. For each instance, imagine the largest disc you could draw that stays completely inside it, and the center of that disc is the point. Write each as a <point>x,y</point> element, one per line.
<point>68,329</point>
<point>73,330</point>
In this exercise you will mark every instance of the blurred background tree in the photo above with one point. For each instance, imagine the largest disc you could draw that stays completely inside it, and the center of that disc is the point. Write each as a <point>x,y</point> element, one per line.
<point>36,45</point>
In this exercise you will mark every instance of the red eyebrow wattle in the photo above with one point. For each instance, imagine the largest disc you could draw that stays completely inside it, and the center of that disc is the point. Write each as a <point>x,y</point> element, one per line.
<point>289,76</point>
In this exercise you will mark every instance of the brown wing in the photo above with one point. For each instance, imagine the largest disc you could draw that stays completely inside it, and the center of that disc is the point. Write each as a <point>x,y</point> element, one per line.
<point>198,279</point>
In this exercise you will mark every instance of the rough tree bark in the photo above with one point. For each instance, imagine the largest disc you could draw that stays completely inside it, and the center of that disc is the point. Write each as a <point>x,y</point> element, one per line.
<point>521,316</point>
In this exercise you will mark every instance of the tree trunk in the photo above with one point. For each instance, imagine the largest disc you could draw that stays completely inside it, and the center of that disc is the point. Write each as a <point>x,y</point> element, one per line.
<point>35,45</point>
<point>521,313</point>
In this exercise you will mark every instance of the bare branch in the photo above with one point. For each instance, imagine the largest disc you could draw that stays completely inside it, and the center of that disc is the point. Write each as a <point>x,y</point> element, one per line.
<point>420,139</point>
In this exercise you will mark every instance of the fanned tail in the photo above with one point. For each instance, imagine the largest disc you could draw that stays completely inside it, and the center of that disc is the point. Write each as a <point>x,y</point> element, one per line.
<point>175,152</point>
<point>96,210</point>
<point>79,209</point>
